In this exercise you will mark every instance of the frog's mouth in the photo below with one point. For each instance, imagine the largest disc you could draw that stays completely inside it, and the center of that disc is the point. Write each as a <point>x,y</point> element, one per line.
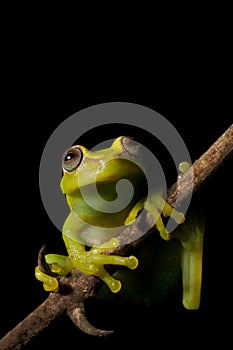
<point>99,171</point>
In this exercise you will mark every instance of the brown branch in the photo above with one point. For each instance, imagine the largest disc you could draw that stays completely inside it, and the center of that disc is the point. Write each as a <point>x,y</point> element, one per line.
<point>202,168</point>
<point>77,287</point>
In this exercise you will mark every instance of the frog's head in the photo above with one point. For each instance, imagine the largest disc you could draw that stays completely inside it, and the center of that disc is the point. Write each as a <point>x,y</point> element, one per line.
<point>82,167</point>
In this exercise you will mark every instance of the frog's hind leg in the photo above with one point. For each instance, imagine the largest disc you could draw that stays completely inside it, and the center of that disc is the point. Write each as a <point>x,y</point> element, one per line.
<point>191,262</point>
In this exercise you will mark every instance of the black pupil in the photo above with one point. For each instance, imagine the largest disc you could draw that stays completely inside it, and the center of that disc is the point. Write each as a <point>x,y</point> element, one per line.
<point>69,156</point>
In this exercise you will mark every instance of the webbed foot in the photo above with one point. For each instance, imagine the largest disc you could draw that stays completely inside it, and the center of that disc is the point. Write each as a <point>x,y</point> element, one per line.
<point>92,262</point>
<point>56,265</point>
<point>98,260</point>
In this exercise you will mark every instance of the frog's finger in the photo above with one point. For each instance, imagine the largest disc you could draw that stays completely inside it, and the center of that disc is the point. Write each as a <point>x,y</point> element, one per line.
<point>168,209</point>
<point>50,283</point>
<point>113,284</point>
<point>131,262</point>
<point>151,206</point>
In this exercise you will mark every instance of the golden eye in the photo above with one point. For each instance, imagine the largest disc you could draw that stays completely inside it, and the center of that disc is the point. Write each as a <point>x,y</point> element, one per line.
<point>72,159</point>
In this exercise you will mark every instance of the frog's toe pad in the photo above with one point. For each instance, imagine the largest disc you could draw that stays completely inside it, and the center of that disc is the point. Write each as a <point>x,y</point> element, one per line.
<point>179,218</point>
<point>52,285</point>
<point>132,262</point>
<point>114,285</point>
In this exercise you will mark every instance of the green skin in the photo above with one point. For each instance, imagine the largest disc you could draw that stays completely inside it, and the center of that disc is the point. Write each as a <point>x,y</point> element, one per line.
<point>98,229</point>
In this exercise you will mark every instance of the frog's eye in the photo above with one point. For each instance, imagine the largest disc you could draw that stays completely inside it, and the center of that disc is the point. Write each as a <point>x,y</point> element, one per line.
<point>130,145</point>
<point>71,159</point>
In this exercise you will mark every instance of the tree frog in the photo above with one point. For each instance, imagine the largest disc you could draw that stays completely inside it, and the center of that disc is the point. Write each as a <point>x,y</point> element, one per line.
<point>90,229</point>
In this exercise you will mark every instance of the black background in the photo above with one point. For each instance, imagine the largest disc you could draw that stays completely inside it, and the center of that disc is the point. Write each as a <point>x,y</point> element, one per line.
<point>192,88</point>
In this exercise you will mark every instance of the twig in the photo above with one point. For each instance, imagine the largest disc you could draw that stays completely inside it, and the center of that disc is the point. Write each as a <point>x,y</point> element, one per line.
<point>77,287</point>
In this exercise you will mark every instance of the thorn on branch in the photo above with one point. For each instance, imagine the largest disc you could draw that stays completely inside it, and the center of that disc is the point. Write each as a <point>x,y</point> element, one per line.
<point>77,315</point>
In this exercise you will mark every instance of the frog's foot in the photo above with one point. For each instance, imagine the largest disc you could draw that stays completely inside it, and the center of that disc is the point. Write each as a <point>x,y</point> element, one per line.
<point>95,261</point>
<point>157,205</point>
<point>57,264</point>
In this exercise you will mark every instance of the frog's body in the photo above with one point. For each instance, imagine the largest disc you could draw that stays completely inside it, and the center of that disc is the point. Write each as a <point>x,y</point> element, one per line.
<point>89,220</point>
<point>94,222</point>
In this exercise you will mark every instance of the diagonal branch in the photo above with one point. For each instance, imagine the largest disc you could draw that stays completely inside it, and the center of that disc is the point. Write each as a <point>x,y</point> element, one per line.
<point>203,167</point>
<point>77,287</point>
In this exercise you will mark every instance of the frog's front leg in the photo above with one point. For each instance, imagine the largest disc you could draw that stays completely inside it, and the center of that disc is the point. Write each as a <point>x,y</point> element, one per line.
<point>156,205</point>
<point>92,262</point>
<point>58,264</point>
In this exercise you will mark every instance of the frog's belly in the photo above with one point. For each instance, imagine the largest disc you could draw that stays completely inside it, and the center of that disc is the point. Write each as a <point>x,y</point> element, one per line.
<point>89,233</point>
<point>93,236</point>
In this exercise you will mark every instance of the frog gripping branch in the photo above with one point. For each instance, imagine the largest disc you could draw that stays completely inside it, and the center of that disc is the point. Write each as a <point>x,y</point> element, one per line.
<point>80,287</point>
<point>87,226</point>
